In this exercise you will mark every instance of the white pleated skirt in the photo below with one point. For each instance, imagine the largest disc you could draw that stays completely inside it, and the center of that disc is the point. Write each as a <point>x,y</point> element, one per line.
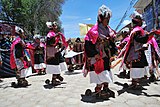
<point>56,69</point>
<point>53,69</point>
<point>146,71</point>
<point>26,72</point>
<point>137,72</point>
<point>39,66</point>
<point>105,76</point>
<point>63,67</point>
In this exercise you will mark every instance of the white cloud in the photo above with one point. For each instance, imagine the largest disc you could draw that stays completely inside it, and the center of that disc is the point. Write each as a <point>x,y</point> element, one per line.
<point>71,17</point>
<point>125,22</point>
<point>88,19</point>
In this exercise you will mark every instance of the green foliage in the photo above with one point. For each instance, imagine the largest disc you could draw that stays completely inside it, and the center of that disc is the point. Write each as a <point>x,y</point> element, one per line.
<point>32,14</point>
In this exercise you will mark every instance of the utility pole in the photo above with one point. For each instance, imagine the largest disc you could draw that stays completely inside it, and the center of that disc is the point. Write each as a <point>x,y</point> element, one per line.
<point>125,14</point>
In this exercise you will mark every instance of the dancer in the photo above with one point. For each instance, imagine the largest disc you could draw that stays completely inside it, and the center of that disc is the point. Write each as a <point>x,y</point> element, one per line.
<point>153,56</point>
<point>98,45</point>
<point>134,52</point>
<point>55,62</point>
<point>20,59</point>
<point>39,55</point>
<point>125,34</point>
<point>70,60</point>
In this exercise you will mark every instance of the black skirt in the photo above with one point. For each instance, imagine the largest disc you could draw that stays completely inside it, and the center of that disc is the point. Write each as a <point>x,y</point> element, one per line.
<point>38,58</point>
<point>55,60</point>
<point>141,63</point>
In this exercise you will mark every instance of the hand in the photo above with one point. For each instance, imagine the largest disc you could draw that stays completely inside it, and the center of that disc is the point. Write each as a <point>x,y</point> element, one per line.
<point>128,66</point>
<point>59,33</point>
<point>152,33</point>
<point>146,32</point>
<point>0,63</point>
<point>112,59</point>
<point>21,58</point>
<point>97,56</point>
<point>88,59</point>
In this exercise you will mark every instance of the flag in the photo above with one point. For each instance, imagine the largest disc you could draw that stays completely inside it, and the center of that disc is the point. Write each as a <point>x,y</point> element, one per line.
<point>84,28</point>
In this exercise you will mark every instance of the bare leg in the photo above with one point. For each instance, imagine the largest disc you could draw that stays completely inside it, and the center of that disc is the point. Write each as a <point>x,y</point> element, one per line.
<point>98,87</point>
<point>54,81</point>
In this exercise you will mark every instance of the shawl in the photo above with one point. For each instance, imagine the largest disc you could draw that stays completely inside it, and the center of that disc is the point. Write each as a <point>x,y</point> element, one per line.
<point>154,43</point>
<point>126,39</point>
<point>12,56</point>
<point>95,32</point>
<point>12,60</point>
<point>58,38</point>
<point>92,35</point>
<point>127,46</point>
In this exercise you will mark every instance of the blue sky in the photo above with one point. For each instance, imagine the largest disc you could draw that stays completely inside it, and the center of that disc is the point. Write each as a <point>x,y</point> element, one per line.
<point>85,11</point>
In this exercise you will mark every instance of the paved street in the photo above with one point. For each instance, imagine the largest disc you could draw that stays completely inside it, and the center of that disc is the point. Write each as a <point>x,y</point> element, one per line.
<point>71,93</point>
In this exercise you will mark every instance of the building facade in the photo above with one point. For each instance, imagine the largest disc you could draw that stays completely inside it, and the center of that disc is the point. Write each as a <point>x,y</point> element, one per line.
<point>150,9</point>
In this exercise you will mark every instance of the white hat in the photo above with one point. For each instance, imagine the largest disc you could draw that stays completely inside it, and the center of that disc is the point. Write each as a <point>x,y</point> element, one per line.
<point>49,24</point>
<point>42,39</point>
<point>126,29</point>
<point>37,36</point>
<point>18,30</point>
<point>104,11</point>
<point>135,13</point>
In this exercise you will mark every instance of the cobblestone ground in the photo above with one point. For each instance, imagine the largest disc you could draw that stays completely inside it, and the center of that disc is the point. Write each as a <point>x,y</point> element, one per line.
<point>71,93</point>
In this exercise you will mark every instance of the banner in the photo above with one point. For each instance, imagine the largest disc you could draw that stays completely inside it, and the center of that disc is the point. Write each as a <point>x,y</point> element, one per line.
<point>84,28</point>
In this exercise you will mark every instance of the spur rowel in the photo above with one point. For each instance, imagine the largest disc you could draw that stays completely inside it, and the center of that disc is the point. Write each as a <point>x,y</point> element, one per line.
<point>111,94</point>
<point>13,84</point>
<point>47,81</point>
<point>125,85</point>
<point>88,92</point>
<point>104,95</point>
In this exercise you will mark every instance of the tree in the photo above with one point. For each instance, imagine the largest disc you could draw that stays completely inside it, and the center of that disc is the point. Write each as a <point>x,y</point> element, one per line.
<point>32,14</point>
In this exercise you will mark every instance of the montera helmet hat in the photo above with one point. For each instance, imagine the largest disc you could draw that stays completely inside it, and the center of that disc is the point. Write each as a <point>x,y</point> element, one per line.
<point>36,36</point>
<point>104,12</point>
<point>51,24</point>
<point>18,30</point>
